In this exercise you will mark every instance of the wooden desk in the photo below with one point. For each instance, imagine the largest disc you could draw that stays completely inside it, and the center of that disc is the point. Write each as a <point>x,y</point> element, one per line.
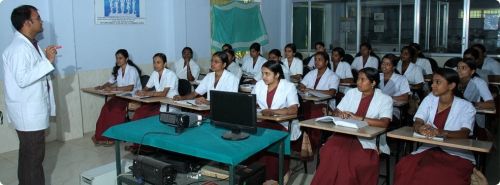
<point>246,88</point>
<point>406,133</point>
<point>486,111</point>
<point>347,84</point>
<point>184,104</point>
<point>314,98</point>
<point>143,100</point>
<point>104,93</point>
<point>494,83</point>
<point>277,118</point>
<point>399,103</point>
<point>367,132</point>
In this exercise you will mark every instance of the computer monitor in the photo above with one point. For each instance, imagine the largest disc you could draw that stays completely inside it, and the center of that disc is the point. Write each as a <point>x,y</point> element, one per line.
<point>234,111</point>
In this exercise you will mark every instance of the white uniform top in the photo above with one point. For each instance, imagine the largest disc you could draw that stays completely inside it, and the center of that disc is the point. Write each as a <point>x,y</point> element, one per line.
<point>413,73</point>
<point>329,80</point>
<point>425,65</point>
<point>475,90</point>
<point>380,107</point>
<point>286,72</point>
<point>285,96</point>
<point>297,66</point>
<point>131,77</point>
<point>396,86</point>
<point>461,116</point>
<point>311,64</point>
<point>250,68</point>
<point>168,80</point>
<point>358,63</point>
<point>181,70</point>
<point>28,89</point>
<point>227,82</point>
<point>490,67</point>
<point>343,70</point>
<point>235,69</point>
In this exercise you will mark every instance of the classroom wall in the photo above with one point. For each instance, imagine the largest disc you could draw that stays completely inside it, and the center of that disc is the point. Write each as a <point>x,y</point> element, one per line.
<point>88,53</point>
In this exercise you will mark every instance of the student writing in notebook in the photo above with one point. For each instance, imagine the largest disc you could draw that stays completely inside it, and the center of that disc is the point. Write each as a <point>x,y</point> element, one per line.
<point>445,114</point>
<point>347,159</point>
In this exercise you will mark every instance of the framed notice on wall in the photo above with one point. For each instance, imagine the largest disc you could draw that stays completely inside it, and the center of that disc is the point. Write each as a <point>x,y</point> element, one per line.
<point>120,11</point>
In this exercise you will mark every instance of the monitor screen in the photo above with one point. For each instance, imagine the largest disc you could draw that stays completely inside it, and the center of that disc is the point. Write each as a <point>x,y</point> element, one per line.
<point>234,111</point>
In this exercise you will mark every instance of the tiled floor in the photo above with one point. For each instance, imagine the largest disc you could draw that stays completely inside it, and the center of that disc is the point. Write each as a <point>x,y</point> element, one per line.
<point>64,161</point>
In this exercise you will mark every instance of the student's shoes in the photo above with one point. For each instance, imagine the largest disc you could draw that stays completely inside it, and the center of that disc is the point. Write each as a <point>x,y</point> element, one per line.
<point>105,143</point>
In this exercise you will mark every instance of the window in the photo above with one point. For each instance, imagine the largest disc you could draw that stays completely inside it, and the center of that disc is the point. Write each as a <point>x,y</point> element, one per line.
<point>483,25</point>
<point>441,26</point>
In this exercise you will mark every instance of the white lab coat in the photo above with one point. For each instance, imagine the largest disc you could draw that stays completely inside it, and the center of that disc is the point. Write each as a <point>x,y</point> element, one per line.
<point>425,65</point>
<point>343,70</point>
<point>380,107</point>
<point>396,86</point>
<point>28,88</point>
<point>235,69</point>
<point>168,80</point>
<point>227,82</point>
<point>297,66</point>
<point>329,80</point>
<point>248,66</point>
<point>131,77</point>
<point>490,67</point>
<point>311,63</point>
<point>461,116</point>
<point>181,70</point>
<point>357,64</point>
<point>476,90</point>
<point>285,96</point>
<point>413,73</point>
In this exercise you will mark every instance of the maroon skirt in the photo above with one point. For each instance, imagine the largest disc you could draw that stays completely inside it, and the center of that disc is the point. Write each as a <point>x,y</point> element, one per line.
<point>433,166</point>
<point>112,113</point>
<point>146,110</point>
<point>344,161</point>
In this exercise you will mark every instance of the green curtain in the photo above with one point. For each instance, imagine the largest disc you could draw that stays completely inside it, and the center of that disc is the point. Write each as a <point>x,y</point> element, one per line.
<point>238,24</point>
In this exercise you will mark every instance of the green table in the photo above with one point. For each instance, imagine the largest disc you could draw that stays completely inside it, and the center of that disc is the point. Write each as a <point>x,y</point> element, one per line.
<point>204,142</point>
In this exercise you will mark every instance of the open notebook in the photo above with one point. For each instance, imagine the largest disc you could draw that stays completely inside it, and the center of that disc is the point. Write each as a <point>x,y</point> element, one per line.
<point>342,122</point>
<point>318,94</point>
<point>133,95</point>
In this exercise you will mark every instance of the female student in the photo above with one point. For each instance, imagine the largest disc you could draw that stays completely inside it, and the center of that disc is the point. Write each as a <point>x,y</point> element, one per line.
<point>125,77</point>
<point>339,67</point>
<point>275,56</point>
<point>407,67</point>
<point>442,113</point>
<point>292,63</point>
<point>392,83</point>
<point>365,59</point>
<point>474,90</point>
<point>276,96</point>
<point>220,79</point>
<point>233,66</point>
<point>422,62</point>
<point>346,159</point>
<point>252,65</point>
<point>321,79</point>
<point>186,67</point>
<point>485,64</point>
<point>319,47</point>
<point>161,83</point>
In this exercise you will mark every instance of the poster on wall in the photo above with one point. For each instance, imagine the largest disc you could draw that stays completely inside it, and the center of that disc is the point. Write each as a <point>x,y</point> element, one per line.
<point>120,11</point>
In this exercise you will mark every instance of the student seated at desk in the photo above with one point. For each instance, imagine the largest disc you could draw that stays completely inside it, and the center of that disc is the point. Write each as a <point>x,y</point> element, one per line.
<point>276,96</point>
<point>442,113</point>
<point>346,159</point>
<point>253,64</point>
<point>392,83</point>
<point>319,47</point>
<point>409,69</point>
<point>320,79</point>
<point>220,80</point>
<point>186,67</point>
<point>293,64</point>
<point>233,66</point>
<point>161,83</point>
<point>365,59</point>
<point>422,62</point>
<point>274,56</point>
<point>485,65</point>
<point>474,90</point>
<point>341,68</point>
<point>125,77</point>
